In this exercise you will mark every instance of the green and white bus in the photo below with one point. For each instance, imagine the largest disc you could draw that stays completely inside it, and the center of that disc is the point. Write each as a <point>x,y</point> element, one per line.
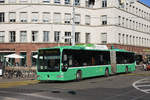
<point>66,63</point>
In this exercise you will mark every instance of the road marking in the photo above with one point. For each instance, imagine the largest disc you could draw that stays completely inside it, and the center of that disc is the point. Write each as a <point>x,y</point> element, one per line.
<point>141,74</point>
<point>43,97</point>
<point>17,83</point>
<point>143,85</point>
<point>147,90</point>
<point>31,94</point>
<point>8,98</point>
<point>137,85</point>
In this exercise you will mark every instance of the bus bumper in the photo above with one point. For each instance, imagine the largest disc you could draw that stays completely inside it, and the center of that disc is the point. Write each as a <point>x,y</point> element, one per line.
<point>50,76</point>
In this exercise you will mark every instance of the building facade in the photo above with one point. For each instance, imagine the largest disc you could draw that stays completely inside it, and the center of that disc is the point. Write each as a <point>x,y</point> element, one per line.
<point>27,25</point>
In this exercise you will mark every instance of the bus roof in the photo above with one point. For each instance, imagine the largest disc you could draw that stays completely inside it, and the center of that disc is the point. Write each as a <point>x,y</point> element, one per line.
<point>85,47</point>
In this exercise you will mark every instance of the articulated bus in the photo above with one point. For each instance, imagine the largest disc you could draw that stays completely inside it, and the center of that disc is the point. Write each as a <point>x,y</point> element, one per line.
<point>66,63</point>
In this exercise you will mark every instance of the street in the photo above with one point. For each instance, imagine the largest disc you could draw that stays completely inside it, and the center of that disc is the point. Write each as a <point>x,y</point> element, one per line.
<point>131,86</point>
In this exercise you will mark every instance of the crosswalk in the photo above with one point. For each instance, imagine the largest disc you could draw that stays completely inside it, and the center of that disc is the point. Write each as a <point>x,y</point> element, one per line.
<point>142,85</point>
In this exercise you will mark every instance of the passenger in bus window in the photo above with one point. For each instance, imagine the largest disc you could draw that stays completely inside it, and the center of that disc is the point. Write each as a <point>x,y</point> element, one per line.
<point>84,64</point>
<point>76,63</point>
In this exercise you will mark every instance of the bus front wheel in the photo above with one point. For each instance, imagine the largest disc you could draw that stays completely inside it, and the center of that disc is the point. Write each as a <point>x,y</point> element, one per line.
<point>78,76</point>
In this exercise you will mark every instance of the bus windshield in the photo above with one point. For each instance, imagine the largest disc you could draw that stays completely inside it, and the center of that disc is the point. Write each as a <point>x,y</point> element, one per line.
<point>49,60</point>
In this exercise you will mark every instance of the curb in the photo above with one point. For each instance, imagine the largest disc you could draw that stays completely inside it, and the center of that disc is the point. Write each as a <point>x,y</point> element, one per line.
<point>17,83</point>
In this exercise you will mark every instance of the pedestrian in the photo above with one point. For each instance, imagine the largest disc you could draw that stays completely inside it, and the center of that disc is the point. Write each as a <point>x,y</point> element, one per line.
<point>144,66</point>
<point>1,69</point>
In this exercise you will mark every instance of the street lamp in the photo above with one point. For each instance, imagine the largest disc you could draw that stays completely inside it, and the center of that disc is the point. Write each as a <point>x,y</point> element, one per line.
<point>73,24</point>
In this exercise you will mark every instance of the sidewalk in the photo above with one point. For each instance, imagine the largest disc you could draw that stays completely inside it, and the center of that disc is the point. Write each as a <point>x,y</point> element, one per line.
<point>12,79</point>
<point>7,83</point>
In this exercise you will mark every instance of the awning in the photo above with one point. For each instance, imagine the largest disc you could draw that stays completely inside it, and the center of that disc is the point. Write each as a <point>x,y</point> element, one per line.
<point>13,56</point>
<point>35,56</point>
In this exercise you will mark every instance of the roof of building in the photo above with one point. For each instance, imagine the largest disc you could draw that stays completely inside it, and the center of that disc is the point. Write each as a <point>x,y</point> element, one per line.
<point>143,4</point>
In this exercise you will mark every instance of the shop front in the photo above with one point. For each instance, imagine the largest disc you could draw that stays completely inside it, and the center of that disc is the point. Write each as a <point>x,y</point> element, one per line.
<point>27,50</point>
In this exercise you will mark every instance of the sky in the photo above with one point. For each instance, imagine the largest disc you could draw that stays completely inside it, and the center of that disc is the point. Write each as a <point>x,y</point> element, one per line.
<point>147,2</point>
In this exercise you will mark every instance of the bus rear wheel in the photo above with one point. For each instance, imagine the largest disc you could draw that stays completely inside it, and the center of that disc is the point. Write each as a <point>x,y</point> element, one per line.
<point>106,73</point>
<point>78,76</point>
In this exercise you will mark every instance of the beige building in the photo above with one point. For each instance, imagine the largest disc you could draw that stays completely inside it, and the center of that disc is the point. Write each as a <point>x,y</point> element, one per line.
<point>26,25</point>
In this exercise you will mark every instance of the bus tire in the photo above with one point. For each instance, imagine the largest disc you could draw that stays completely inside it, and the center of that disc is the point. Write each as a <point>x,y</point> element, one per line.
<point>78,76</point>
<point>106,72</point>
<point>127,70</point>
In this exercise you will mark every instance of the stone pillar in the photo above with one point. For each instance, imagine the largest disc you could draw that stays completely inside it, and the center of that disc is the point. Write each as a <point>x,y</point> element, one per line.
<point>28,58</point>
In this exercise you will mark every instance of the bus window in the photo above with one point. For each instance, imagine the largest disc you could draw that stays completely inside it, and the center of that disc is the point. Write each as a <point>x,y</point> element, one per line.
<point>64,57</point>
<point>49,61</point>
<point>79,58</point>
<point>125,58</point>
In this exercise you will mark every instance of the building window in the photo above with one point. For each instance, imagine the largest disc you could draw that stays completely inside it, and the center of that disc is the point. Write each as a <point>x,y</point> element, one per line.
<point>127,7</point>
<point>12,17</point>
<point>127,39</point>
<point>87,37</point>
<point>103,38</point>
<point>104,3</point>
<point>23,36</point>
<point>127,23</point>
<point>136,11</point>
<point>123,38</point>
<point>77,37</point>
<point>67,1</point>
<point>130,24</point>
<point>133,26</point>
<point>2,1</point>
<point>46,1</point>
<point>35,1</point>
<point>2,16</point>
<point>46,36</point>
<point>67,18</point>
<point>123,21</point>
<point>23,17</point>
<point>57,18</point>
<point>119,37</point>
<point>56,36</point>
<point>77,19</point>
<point>56,1</point>
<point>46,17</point>
<point>89,3</point>
<point>67,37</point>
<point>34,17</point>
<point>87,19</point>
<point>104,19</point>
<point>130,39</point>
<point>77,2</point>
<point>12,36</point>
<point>23,1</point>
<point>34,59</point>
<point>34,36</point>
<point>12,1</point>
<point>2,36</point>
<point>133,40</point>
<point>23,61</point>
<point>136,25</point>
<point>119,20</point>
